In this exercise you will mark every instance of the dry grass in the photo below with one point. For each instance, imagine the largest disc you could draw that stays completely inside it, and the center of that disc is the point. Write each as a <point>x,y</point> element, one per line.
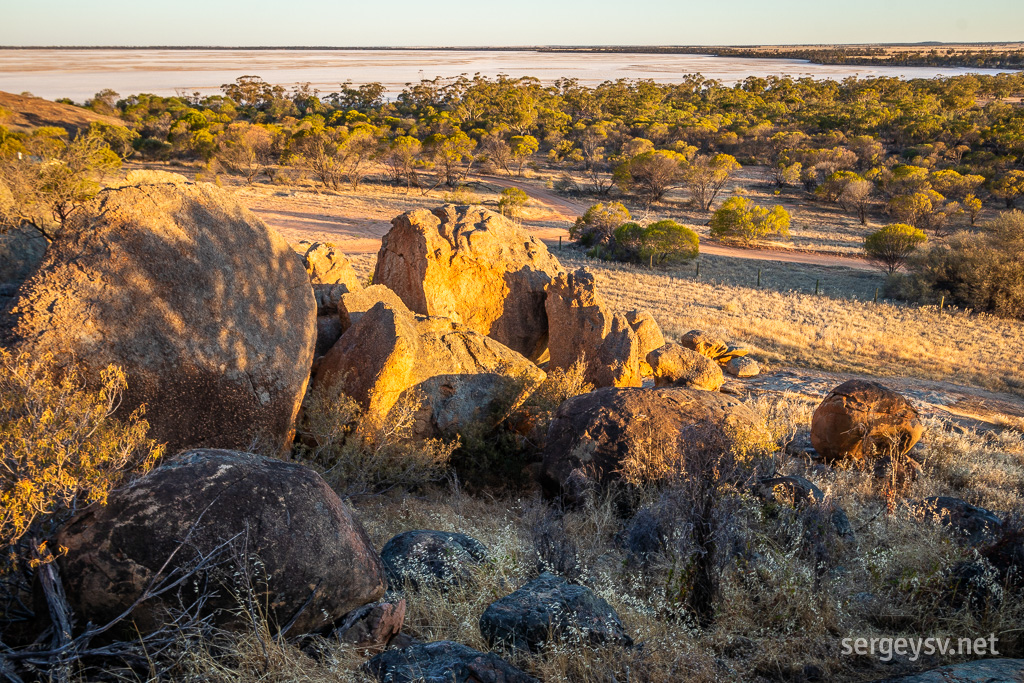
<point>833,334</point>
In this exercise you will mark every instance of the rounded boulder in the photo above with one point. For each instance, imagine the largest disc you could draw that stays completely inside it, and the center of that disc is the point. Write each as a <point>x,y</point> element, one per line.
<point>861,420</point>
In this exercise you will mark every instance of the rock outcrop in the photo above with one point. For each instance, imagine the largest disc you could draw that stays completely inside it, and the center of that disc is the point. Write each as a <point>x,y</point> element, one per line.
<point>704,343</point>
<point>431,558</point>
<point>327,265</point>
<point>352,305</point>
<point>372,626</point>
<point>971,523</point>
<point>547,609</point>
<point>592,435</point>
<point>674,365</point>
<point>207,310</point>
<point>444,661</point>
<point>583,326</point>
<point>647,330</point>
<point>280,518</point>
<point>979,671</point>
<point>742,367</point>
<point>861,420</point>
<point>390,351</point>
<point>473,266</point>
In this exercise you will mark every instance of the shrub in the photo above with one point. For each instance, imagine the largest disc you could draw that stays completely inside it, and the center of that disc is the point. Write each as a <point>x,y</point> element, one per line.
<point>739,218</point>
<point>892,245</point>
<point>598,223</point>
<point>659,242</point>
<point>982,271</point>
<point>359,454</point>
<point>60,445</point>
<point>512,202</point>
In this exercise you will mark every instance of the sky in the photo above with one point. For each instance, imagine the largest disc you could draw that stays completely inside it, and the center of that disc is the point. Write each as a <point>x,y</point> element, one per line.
<point>439,23</point>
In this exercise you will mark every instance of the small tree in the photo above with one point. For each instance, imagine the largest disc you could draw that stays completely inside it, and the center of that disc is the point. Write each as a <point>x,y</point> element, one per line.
<point>246,149</point>
<point>706,176</point>
<point>512,202</point>
<point>1009,187</point>
<point>972,207</point>
<point>651,174</point>
<point>598,223</point>
<point>739,218</point>
<point>891,246</point>
<point>522,148</point>
<point>400,159</point>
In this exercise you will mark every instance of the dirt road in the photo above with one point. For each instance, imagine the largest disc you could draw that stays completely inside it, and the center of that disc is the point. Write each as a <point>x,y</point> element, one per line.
<point>567,210</point>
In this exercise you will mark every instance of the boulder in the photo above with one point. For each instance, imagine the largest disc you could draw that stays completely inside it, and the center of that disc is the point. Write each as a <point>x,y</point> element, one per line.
<point>742,366</point>
<point>206,309</point>
<point>647,330</point>
<point>674,365</point>
<point>549,608</point>
<point>473,266</point>
<point>974,524</point>
<point>281,518</point>
<point>389,351</point>
<point>352,305</point>
<point>431,558</point>
<point>704,343</point>
<point>861,420</point>
<point>21,251</point>
<point>327,265</point>
<point>979,671</point>
<point>443,662</point>
<point>372,626</point>
<point>582,325</point>
<point>591,435</point>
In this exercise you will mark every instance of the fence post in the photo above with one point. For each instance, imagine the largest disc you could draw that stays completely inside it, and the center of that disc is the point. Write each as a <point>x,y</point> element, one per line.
<point>817,283</point>
<point>942,302</point>
<point>876,295</point>
<point>559,243</point>
<point>759,278</point>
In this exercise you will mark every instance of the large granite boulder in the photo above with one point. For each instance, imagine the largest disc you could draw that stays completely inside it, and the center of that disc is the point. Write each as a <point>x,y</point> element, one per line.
<point>473,266</point>
<point>326,264</point>
<point>390,351</point>
<point>582,325</point>
<point>444,661</point>
<point>281,519</point>
<point>352,305</point>
<point>592,435</point>
<point>862,421</point>
<point>206,309</point>
<point>675,365</point>
<point>978,671</point>
<point>547,609</point>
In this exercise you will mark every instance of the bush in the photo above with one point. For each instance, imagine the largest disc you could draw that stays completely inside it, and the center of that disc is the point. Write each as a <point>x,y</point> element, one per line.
<point>598,223</point>
<point>358,454</point>
<point>512,202</point>
<point>740,219</point>
<point>60,446</point>
<point>892,245</point>
<point>659,242</point>
<point>980,271</point>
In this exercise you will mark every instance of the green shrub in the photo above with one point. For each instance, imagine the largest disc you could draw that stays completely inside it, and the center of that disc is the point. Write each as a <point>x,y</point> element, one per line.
<point>659,242</point>
<point>891,246</point>
<point>740,219</point>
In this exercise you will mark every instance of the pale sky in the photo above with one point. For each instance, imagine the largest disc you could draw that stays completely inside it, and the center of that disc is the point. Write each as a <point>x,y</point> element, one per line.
<point>524,22</point>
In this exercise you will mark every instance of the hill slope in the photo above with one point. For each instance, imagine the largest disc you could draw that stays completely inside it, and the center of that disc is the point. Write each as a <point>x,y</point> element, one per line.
<point>33,112</point>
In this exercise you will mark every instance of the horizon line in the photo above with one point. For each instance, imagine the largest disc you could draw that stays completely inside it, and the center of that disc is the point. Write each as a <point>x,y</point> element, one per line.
<point>929,43</point>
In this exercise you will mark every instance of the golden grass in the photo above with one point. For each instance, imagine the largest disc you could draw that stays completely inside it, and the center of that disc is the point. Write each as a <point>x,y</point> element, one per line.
<point>832,334</point>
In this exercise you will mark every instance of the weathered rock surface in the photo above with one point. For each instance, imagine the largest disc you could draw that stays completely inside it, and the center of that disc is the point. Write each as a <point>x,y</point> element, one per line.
<point>862,420</point>
<point>974,524</point>
<point>390,351</point>
<point>326,264</point>
<point>980,671</point>
<point>21,252</point>
<point>473,266</point>
<point>328,332</point>
<point>352,305</point>
<point>647,330</point>
<point>443,662</point>
<point>742,366</point>
<point>308,543</point>
<point>675,365</point>
<point>372,626</point>
<point>431,558</point>
<point>591,435</point>
<point>583,326</point>
<point>704,343</point>
<point>206,309</point>
<point>550,608</point>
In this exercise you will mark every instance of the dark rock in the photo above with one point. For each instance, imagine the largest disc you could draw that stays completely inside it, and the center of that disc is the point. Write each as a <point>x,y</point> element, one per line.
<point>431,558</point>
<point>285,521</point>
<point>980,671</point>
<point>971,584</point>
<point>591,435</point>
<point>801,493</point>
<point>547,608</point>
<point>328,331</point>
<point>974,524</point>
<point>861,420</point>
<point>443,662</point>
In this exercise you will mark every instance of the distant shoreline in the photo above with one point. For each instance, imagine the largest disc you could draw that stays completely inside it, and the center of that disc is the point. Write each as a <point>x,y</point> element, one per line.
<point>682,49</point>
